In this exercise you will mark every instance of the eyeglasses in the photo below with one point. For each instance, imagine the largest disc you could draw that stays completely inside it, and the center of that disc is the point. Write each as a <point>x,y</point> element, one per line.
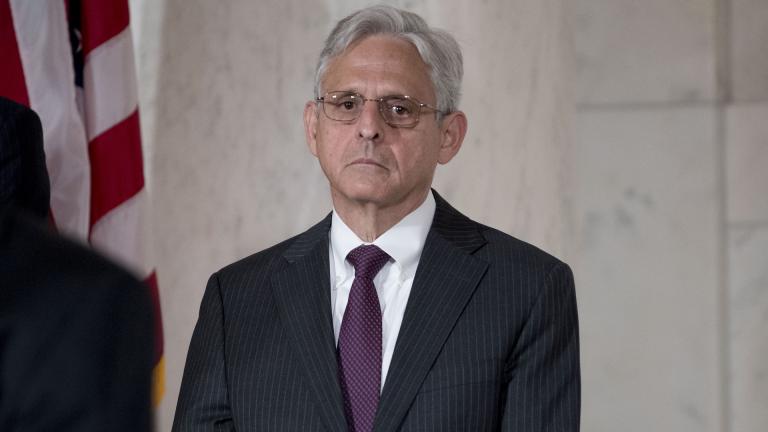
<point>397,110</point>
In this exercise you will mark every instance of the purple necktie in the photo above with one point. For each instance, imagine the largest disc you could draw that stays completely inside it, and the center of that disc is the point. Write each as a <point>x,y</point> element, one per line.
<point>360,340</point>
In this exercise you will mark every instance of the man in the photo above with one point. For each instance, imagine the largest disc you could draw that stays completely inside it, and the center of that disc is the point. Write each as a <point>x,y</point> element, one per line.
<point>430,321</point>
<point>75,330</point>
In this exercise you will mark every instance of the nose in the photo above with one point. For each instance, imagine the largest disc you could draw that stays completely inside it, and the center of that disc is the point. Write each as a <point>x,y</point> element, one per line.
<point>370,124</point>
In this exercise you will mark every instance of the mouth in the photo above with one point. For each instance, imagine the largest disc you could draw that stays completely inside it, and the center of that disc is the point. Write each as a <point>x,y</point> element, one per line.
<point>366,161</point>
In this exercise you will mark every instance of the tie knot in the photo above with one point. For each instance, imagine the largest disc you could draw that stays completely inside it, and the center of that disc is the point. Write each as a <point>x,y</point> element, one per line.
<point>367,260</point>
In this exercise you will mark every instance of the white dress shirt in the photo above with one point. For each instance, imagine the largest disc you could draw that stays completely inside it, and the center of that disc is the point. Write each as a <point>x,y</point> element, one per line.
<point>403,243</point>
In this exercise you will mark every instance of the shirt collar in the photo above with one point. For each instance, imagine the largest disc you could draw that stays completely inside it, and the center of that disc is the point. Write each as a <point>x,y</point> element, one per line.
<point>403,242</point>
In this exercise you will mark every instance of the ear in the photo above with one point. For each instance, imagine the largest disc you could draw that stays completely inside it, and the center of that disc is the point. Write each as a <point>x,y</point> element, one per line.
<point>453,130</point>
<point>310,126</point>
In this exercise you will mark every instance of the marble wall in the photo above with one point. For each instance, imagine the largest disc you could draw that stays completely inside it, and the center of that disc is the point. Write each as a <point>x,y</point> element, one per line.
<point>671,203</point>
<point>647,275</point>
<point>223,85</point>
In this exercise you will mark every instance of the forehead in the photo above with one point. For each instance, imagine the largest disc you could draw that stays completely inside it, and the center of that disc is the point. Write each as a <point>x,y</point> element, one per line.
<point>380,65</point>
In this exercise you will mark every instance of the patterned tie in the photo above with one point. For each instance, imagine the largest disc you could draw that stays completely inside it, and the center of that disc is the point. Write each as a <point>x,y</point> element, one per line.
<point>360,340</point>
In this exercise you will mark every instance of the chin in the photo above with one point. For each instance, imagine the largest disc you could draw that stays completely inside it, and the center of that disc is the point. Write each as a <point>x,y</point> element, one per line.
<point>363,192</point>
<point>372,196</point>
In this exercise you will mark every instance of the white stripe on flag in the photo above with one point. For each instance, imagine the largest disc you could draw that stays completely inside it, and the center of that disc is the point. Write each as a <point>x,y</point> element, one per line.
<point>121,235</point>
<point>110,84</point>
<point>43,39</point>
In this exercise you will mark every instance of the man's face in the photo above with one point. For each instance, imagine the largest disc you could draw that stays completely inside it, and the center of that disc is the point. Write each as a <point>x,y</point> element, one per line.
<point>368,161</point>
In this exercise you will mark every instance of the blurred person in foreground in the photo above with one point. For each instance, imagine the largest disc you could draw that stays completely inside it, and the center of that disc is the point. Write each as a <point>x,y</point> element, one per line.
<point>395,312</point>
<point>75,330</point>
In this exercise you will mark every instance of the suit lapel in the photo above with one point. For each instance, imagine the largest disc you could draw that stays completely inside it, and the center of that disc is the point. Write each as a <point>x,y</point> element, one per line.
<point>302,292</point>
<point>445,280</point>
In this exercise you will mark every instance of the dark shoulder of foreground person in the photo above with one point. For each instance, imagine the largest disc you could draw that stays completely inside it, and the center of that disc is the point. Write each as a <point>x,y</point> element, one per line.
<point>74,326</point>
<point>28,244</point>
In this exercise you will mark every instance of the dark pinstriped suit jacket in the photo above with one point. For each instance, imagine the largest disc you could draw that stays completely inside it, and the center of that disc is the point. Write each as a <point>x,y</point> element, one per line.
<point>489,340</point>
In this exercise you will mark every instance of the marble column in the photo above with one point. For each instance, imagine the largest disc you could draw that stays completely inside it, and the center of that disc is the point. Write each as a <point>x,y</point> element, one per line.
<point>746,154</point>
<point>648,209</point>
<point>672,213</point>
<point>223,88</point>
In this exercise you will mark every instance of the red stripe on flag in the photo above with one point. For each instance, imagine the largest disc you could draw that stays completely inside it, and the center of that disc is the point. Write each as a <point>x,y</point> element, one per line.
<point>151,282</point>
<point>101,21</point>
<point>116,166</point>
<point>12,84</point>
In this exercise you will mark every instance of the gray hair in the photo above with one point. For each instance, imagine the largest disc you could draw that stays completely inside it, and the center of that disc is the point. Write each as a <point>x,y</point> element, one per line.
<point>438,49</point>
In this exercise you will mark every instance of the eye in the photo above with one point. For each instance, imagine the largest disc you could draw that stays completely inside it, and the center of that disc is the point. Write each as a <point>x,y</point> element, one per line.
<point>399,107</point>
<point>345,102</point>
<point>400,110</point>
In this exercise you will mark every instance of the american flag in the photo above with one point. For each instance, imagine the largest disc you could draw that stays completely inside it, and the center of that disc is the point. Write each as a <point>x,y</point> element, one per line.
<point>72,62</point>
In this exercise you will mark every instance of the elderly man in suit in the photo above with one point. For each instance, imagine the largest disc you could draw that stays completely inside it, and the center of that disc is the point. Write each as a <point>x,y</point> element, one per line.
<point>396,312</point>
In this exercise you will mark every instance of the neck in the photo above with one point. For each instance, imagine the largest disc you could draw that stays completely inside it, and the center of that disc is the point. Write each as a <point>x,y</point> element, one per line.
<point>369,220</point>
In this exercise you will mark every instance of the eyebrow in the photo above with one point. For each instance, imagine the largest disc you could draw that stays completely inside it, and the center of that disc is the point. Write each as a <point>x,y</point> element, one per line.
<point>345,91</point>
<point>396,94</point>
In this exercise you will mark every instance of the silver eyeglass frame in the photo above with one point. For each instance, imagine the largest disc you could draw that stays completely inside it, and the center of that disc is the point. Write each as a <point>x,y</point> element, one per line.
<point>382,108</point>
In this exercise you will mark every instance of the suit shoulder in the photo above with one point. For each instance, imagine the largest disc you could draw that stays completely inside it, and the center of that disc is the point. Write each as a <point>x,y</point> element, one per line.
<point>507,247</point>
<point>521,268</point>
<point>279,254</point>
<point>489,243</point>
<point>12,111</point>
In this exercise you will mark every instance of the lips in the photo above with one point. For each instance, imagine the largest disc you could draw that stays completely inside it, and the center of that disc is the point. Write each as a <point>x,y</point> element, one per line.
<point>366,161</point>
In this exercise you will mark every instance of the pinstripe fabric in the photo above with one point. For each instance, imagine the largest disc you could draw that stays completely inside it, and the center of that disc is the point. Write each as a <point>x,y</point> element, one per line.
<point>489,340</point>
